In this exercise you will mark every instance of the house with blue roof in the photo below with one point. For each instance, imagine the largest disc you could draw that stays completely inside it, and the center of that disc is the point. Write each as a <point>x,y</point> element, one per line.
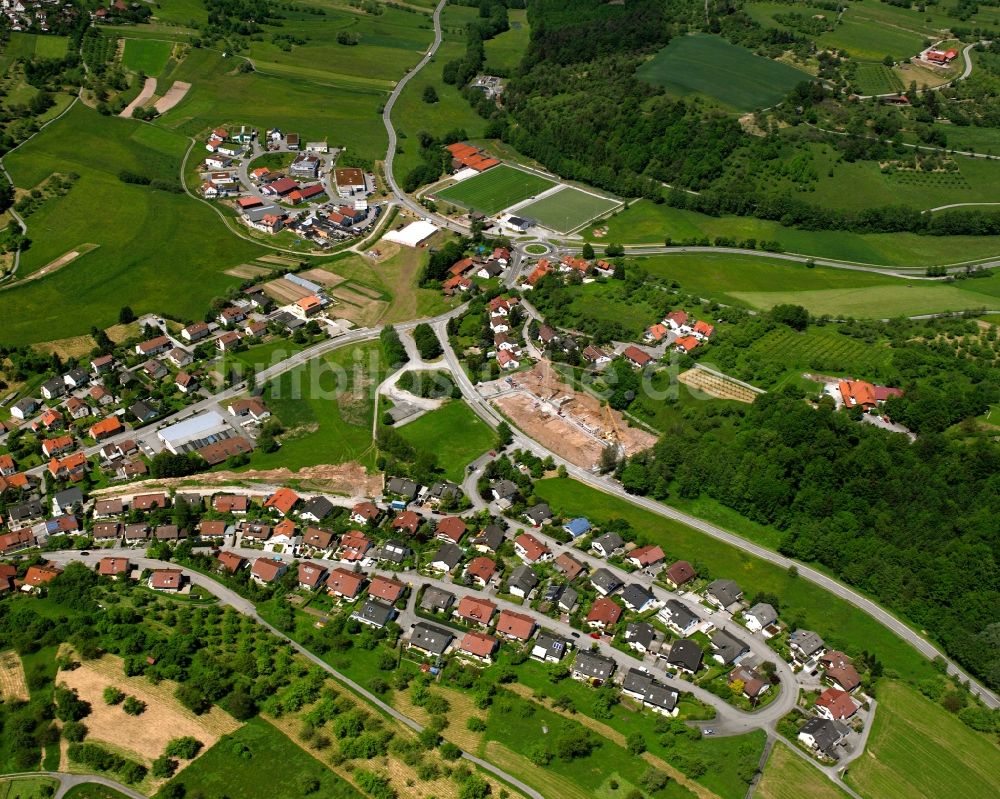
<point>577,527</point>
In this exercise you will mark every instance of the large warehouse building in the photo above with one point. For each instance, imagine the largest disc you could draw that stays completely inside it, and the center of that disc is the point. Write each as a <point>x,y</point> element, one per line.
<point>196,432</point>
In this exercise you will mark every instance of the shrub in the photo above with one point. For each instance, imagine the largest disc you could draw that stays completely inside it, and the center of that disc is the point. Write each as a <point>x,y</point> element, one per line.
<point>164,767</point>
<point>134,706</point>
<point>185,748</point>
<point>113,696</point>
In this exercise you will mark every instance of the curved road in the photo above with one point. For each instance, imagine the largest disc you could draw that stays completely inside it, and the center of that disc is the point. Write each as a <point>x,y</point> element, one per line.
<point>68,781</point>
<point>229,597</point>
<point>492,417</point>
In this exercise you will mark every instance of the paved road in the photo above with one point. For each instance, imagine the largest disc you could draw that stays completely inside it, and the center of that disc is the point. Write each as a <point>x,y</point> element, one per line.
<point>68,781</point>
<point>229,597</point>
<point>489,415</point>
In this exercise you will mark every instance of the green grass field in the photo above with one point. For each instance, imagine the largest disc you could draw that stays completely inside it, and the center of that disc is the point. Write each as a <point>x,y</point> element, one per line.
<point>271,765</point>
<point>909,299</point>
<point>495,189</point>
<point>788,776</point>
<point>710,66</point>
<point>27,45</point>
<point>918,749</point>
<point>26,787</point>
<point>454,433</point>
<point>411,114</point>
<point>326,407</point>
<point>147,56</point>
<point>872,78</point>
<point>839,623</point>
<point>504,52</point>
<point>568,209</point>
<point>648,223</point>
<point>133,225</point>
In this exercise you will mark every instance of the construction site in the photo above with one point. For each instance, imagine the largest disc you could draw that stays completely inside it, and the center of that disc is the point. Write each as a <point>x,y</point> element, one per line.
<point>571,423</point>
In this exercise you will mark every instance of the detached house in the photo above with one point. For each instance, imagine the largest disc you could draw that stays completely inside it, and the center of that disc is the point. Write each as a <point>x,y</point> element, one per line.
<point>344,583</point>
<point>530,549</point>
<point>476,610</point>
<point>603,613</point>
<point>679,573</point>
<point>515,626</point>
<point>478,646</point>
<point>310,575</point>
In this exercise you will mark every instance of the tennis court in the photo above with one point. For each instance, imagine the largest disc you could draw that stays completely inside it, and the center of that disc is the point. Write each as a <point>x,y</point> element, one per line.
<point>495,189</point>
<point>567,209</point>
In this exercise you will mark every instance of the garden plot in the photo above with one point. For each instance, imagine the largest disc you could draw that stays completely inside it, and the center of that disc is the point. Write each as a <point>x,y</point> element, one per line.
<point>12,683</point>
<point>718,385</point>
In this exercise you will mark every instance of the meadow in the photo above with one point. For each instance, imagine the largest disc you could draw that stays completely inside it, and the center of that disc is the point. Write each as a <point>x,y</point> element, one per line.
<point>411,115</point>
<point>27,45</point>
<point>93,791</point>
<point>760,282</point>
<point>918,749</point>
<point>388,44</point>
<point>27,787</point>
<point>802,603</point>
<point>134,227</point>
<point>700,64</point>
<point>504,52</point>
<point>568,209</point>
<point>454,434</point>
<point>313,105</point>
<point>495,189</point>
<point>243,764</point>
<point>885,302</point>
<point>327,408</point>
<point>147,56</point>
<point>648,223</point>
<point>788,776</point>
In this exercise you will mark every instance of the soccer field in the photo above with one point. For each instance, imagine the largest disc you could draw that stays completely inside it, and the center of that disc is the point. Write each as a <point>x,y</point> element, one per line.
<point>495,189</point>
<point>567,209</point>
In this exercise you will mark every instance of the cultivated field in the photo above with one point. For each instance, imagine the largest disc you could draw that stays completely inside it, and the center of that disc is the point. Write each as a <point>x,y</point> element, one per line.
<point>568,209</point>
<point>148,56</point>
<point>495,189</point>
<point>647,223</point>
<point>882,302</point>
<point>284,291</point>
<point>918,749</point>
<point>711,66</point>
<point>876,79</point>
<point>27,45</point>
<point>717,385</point>
<point>145,735</point>
<point>788,776</point>
<point>12,683</point>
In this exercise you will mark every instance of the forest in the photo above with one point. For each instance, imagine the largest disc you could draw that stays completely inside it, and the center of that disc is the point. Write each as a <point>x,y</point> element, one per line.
<point>576,105</point>
<point>912,524</point>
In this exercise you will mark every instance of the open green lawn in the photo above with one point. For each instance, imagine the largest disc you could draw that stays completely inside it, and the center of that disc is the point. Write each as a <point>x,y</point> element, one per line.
<point>802,603</point>
<point>411,115</point>
<point>495,189</point>
<point>259,760</point>
<point>26,787</point>
<point>454,433</point>
<point>906,299</point>
<point>135,228</point>
<point>180,12</point>
<point>788,776</point>
<point>315,106</point>
<point>568,209</point>
<point>327,407</point>
<point>648,223</point>
<point>389,43</point>
<point>147,56</point>
<point>28,45</point>
<point>710,66</point>
<point>504,52</point>
<point>917,749</point>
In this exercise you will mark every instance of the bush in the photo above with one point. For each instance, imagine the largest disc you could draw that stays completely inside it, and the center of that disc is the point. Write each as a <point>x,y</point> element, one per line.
<point>113,696</point>
<point>475,724</point>
<point>185,748</point>
<point>74,731</point>
<point>164,767</point>
<point>134,706</point>
<point>450,752</point>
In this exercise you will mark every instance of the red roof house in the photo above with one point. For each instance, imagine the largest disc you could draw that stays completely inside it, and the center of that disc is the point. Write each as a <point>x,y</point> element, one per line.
<point>517,626</point>
<point>603,613</point>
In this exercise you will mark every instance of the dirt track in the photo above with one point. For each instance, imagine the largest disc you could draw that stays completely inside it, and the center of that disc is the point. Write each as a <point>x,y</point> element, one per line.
<point>173,96</point>
<point>148,90</point>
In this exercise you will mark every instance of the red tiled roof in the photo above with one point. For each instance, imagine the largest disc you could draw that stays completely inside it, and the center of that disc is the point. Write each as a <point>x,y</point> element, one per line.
<point>646,556</point>
<point>680,572</point>
<point>839,703</point>
<point>282,500</point>
<point>166,578</point>
<point>636,355</point>
<point>478,644</point>
<point>343,582</point>
<point>385,588</point>
<point>476,609</point>
<point>604,611</point>
<point>533,548</point>
<point>481,567</point>
<point>515,625</point>
<point>231,562</point>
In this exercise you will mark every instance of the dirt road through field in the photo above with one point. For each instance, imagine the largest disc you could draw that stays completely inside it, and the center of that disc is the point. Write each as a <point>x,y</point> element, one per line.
<point>148,90</point>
